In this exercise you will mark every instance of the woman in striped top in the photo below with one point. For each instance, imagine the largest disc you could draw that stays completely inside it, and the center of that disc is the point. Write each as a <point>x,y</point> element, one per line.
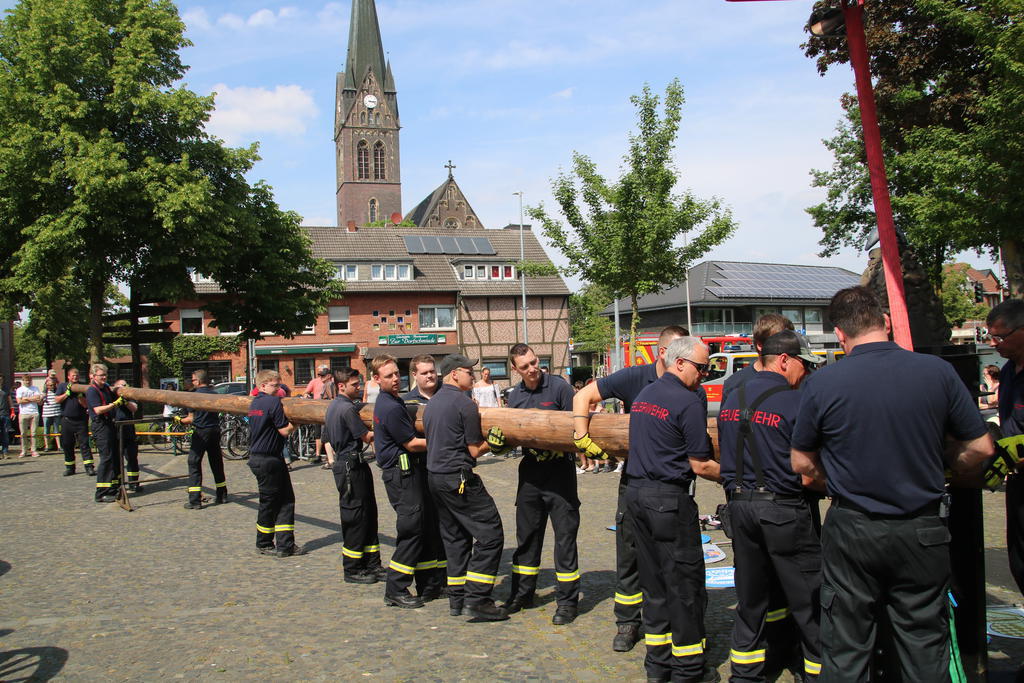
<point>51,414</point>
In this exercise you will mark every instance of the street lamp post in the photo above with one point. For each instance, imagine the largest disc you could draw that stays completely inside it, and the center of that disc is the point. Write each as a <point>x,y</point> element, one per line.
<point>522,259</point>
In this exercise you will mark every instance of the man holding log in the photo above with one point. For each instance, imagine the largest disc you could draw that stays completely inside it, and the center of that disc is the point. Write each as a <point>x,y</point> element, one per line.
<point>126,436</point>
<point>423,372</point>
<point>344,435</point>
<point>547,487</point>
<point>454,442</point>
<point>268,428</point>
<point>74,426</point>
<point>205,441</point>
<point>400,455</point>
<point>102,403</point>
<point>623,385</point>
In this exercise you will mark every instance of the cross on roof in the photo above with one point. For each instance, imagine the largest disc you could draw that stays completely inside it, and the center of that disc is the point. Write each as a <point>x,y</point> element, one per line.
<point>450,166</point>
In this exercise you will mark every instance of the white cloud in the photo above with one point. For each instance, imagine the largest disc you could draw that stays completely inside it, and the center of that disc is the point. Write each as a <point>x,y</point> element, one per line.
<point>231,21</point>
<point>242,113</point>
<point>197,19</point>
<point>563,94</point>
<point>263,17</point>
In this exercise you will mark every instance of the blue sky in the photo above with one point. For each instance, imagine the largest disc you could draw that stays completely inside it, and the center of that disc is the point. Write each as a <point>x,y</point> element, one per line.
<point>507,90</point>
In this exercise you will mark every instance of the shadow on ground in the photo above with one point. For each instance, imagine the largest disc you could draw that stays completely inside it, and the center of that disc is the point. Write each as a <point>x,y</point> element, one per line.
<point>32,663</point>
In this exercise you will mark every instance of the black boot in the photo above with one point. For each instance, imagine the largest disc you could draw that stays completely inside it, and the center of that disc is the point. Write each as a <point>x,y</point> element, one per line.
<point>90,470</point>
<point>68,471</point>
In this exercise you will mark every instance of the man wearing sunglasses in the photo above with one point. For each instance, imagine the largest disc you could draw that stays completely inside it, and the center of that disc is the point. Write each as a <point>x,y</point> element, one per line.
<point>772,529</point>
<point>668,449</point>
<point>1004,326</point>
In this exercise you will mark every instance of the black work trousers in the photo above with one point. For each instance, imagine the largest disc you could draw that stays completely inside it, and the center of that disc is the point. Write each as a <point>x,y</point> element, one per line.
<point>628,597</point>
<point>670,560</point>
<point>472,534</point>
<point>1015,527</point>
<point>419,552</point>
<point>776,551</point>
<point>130,453</point>
<point>70,432</point>
<point>108,471</point>
<point>357,508</point>
<point>275,520</point>
<point>205,441</point>
<point>546,489</point>
<point>897,565</point>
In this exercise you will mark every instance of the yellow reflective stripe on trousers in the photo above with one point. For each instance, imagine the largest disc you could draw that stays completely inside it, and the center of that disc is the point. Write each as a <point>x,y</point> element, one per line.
<point>456,580</point>
<point>442,564</point>
<point>634,599</point>
<point>524,570</point>
<point>687,650</point>
<point>220,484</point>
<point>69,464</point>
<point>103,485</point>
<point>813,668</point>
<point>87,462</point>
<point>777,615</point>
<point>371,548</point>
<point>195,489</point>
<point>265,529</point>
<point>424,566</point>
<point>132,474</point>
<point>354,554</point>
<point>401,568</point>
<point>656,639</point>
<point>284,527</point>
<point>751,657</point>
<point>568,576</point>
<point>480,578</point>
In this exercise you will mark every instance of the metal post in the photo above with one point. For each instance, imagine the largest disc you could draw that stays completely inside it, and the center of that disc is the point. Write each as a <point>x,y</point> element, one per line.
<point>522,259</point>
<point>617,344</point>
<point>853,13</point>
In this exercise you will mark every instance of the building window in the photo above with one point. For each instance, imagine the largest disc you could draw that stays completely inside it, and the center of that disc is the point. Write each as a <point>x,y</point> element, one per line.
<point>378,161</point>
<point>266,364</point>
<point>495,272</point>
<point>468,272</point>
<point>348,272</point>
<point>544,362</point>
<point>310,329</point>
<point>812,315</point>
<point>481,272</point>
<point>508,272</point>
<point>191,321</point>
<point>199,278</point>
<point>437,317</point>
<point>363,160</point>
<point>451,223</point>
<point>403,272</point>
<point>227,328</point>
<point>795,316</point>
<point>217,371</point>
<point>304,371</point>
<point>390,271</point>
<point>498,368</point>
<point>340,363</point>
<point>337,319</point>
<point>488,272</point>
<point>373,211</point>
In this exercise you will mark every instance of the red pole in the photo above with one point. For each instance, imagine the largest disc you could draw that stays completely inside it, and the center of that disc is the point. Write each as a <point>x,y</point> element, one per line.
<point>853,11</point>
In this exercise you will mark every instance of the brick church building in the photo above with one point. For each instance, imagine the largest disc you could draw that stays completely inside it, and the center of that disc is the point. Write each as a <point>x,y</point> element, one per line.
<point>448,284</point>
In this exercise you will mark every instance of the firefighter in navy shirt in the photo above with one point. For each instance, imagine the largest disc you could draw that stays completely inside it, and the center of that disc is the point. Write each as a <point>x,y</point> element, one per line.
<point>344,435</point>
<point>419,556</point>
<point>102,402</point>
<point>467,512</point>
<point>268,427</point>
<point>772,529</point>
<point>877,423</point>
<point>423,373</point>
<point>668,447</point>
<point>74,425</point>
<point>126,436</point>
<point>205,440</point>
<point>767,325</point>
<point>547,487</point>
<point>623,385</point>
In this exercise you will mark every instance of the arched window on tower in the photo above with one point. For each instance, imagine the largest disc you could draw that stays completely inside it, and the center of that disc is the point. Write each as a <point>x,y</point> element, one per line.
<point>363,160</point>
<point>378,161</point>
<point>373,211</point>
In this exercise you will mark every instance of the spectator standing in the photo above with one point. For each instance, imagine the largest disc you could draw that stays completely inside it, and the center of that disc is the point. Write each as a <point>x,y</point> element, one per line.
<point>990,377</point>
<point>485,392</point>
<point>28,399</point>
<point>51,414</point>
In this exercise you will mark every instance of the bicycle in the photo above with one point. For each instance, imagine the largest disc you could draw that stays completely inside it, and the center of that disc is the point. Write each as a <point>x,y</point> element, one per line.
<point>170,434</point>
<point>234,436</point>
<point>303,442</point>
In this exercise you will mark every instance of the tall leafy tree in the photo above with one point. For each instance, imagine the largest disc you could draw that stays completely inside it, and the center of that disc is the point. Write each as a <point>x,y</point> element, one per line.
<point>949,77</point>
<point>623,235</point>
<point>590,331</point>
<point>107,175</point>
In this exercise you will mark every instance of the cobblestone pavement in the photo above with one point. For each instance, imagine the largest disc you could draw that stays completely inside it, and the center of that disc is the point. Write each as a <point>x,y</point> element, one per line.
<point>90,592</point>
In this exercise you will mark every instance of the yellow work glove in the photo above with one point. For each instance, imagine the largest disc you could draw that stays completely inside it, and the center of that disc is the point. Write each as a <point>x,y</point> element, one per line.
<point>587,446</point>
<point>119,401</point>
<point>496,441</point>
<point>1008,454</point>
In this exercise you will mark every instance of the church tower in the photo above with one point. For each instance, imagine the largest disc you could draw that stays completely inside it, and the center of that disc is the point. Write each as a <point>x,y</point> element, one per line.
<point>366,126</point>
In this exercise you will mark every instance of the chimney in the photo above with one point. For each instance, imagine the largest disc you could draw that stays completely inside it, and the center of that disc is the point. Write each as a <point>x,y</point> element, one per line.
<point>352,226</point>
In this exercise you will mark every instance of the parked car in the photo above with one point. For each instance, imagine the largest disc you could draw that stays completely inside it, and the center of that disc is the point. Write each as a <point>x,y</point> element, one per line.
<point>231,388</point>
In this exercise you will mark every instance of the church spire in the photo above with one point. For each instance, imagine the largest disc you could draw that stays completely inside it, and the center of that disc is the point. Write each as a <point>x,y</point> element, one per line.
<point>365,49</point>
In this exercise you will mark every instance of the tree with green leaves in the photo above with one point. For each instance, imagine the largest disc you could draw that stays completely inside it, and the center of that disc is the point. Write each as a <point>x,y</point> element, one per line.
<point>107,175</point>
<point>958,302</point>
<point>949,85</point>
<point>591,332</point>
<point>623,235</point>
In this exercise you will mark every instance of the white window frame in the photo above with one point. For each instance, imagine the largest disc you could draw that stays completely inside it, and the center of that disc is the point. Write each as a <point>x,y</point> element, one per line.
<point>404,271</point>
<point>338,314</point>
<point>347,271</point>
<point>468,272</point>
<point>377,271</point>
<point>391,272</point>
<point>192,313</point>
<point>438,328</point>
<point>309,330</point>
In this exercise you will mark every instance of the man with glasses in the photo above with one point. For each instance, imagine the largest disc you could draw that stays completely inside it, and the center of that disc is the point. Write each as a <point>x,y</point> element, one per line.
<point>877,423</point>
<point>1004,324</point>
<point>771,526</point>
<point>470,523</point>
<point>668,449</point>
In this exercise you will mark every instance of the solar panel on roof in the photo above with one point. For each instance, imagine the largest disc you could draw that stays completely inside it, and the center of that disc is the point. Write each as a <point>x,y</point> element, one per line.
<point>483,245</point>
<point>466,245</point>
<point>449,245</point>
<point>757,280</point>
<point>431,245</point>
<point>413,244</point>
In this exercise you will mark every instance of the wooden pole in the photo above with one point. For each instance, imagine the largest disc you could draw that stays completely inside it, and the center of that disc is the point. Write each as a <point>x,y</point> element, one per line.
<point>544,429</point>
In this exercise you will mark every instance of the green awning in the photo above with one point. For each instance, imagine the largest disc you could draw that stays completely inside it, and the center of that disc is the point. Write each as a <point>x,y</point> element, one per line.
<point>295,349</point>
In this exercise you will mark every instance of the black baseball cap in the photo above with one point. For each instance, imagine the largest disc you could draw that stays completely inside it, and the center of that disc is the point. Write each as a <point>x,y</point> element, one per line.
<point>792,344</point>
<point>453,361</point>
